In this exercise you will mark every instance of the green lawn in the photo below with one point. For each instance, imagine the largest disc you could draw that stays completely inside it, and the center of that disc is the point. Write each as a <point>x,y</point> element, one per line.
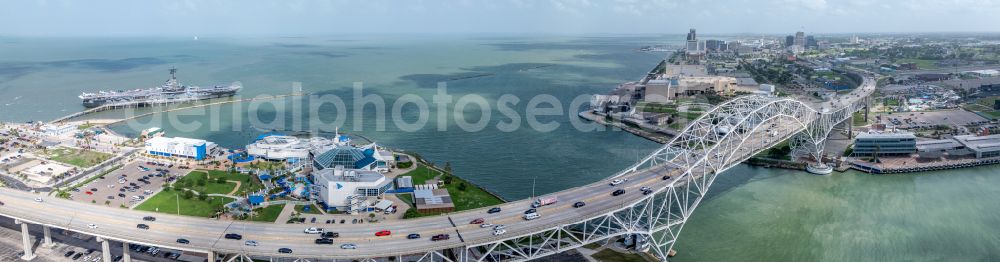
<point>268,214</point>
<point>472,197</point>
<point>891,102</point>
<point>421,174</point>
<point>168,202</point>
<point>210,186</point>
<point>248,183</point>
<point>656,108</point>
<point>608,255</point>
<point>77,157</point>
<point>921,63</point>
<point>312,209</point>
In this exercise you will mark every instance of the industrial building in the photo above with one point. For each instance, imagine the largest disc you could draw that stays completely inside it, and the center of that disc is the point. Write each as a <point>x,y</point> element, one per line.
<point>350,190</point>
<point>667,90</point>
<point>884,143</point>
<point>981,146</point>
<point>191,148</point>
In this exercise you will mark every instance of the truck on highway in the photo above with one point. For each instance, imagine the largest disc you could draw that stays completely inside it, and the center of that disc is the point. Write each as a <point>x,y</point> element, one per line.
<point>544,201</point>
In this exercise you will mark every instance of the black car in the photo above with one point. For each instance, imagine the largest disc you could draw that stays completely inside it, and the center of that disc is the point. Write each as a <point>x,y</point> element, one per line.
<point>77,256</point>
<point>618,192</point>
<point>70,253</point>
<point>413,236</point>
<point>666,177</point>
<point>440,237</point>
<point>121,194</point>
<point>529,211</point>
<point>183,241</point>
<point>493,210</point>
<point>149,218</point>
<point>285,250</point>
<point>327,221</point>
<point>647,192</point>
<point>330,235</point>
<point>142,226</point>
<point>234,236</point>
<point>579,204</point>
<point>323,241</point>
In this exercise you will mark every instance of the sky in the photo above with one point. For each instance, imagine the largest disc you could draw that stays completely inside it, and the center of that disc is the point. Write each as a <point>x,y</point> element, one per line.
<point>327,17</point>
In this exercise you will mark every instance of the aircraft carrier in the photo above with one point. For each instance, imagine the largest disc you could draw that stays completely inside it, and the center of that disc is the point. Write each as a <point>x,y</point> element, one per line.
<point>170,92</point>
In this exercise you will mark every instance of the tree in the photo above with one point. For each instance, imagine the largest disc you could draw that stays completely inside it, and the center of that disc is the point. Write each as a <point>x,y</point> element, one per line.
<point>220,180</point>
<point>200,182</point>
<point>188,194</point>
<point>202,197</point>
<point>461,186</point>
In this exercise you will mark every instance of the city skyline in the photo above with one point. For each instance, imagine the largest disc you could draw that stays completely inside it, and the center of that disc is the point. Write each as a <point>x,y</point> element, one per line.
<point>189,18</point>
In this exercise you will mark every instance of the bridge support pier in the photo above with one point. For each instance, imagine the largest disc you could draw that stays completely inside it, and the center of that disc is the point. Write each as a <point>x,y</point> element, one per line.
<point>25,241</point>
<point>210,256</point>
<point>126,256</point>
<point>105,248</point>
<point>47,236</point>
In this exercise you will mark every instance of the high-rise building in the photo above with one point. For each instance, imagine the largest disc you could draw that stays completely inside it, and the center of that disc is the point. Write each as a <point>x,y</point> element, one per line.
<point>713,45</point>
<point>811,42</point>
<point>789,41</point>
<point>800,39</point>
<point>692,42</point>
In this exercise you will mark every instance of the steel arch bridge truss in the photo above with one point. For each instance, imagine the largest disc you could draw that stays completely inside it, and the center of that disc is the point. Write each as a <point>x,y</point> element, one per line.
<point>718,140</point>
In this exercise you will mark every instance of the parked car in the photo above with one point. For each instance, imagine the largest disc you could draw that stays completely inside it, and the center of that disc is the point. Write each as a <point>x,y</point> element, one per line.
<point>70,253</point>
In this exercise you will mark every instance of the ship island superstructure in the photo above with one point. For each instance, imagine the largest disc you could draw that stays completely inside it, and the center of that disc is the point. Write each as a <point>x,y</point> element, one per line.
<point>170,92</point>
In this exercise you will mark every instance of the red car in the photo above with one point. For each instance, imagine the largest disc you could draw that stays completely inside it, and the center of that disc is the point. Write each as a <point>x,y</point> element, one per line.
<point>89,193</point>
<point>477,221</point>
<point>383,233</point>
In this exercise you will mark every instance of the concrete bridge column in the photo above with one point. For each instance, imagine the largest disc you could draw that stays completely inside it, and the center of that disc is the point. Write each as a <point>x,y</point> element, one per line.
<point>47,236</point>
<point>210,256</point>
<point>126,257</point>
<point>105,248</point>
<point>25,241</point>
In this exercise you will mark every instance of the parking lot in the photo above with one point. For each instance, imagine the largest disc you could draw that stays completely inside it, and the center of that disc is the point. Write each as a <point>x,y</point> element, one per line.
<point>128,185</point>
<point>932,118</point>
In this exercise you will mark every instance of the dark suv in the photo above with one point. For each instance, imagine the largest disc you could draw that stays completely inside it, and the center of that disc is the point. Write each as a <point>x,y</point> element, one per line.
<point>618,192</point>
<point>234,236</point>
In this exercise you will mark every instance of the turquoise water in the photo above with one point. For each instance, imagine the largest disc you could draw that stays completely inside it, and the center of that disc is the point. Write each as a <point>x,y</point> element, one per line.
<point>752,214</point>
<point>758,214</point>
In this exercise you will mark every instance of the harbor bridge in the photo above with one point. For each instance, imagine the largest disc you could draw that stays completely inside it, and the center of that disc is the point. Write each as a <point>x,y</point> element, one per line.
<point>678,176</point>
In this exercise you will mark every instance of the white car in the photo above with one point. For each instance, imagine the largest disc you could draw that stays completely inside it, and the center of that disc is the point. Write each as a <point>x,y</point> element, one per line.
<point>250,243</point>
<point>618,182</point>
<point>499,232</point>
<point>313,230</point>
<point>38,199</point>
<point>498,227</point>
<point>91,226</point>
<point>348,246</point>
<point>485,225</point>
